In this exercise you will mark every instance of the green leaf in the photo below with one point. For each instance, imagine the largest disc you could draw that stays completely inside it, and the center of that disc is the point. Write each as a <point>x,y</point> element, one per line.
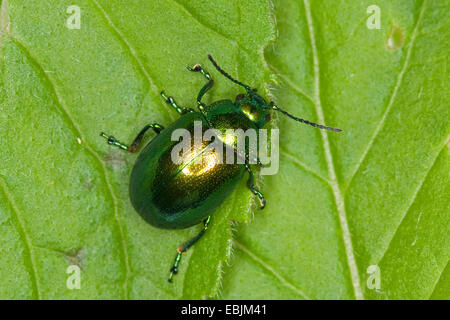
<point>377,193</point>
<point>374,195</point>
<point>63,190</point>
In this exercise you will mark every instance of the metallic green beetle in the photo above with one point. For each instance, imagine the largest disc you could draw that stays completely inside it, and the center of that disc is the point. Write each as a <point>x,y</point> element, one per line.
<point>176,196</point>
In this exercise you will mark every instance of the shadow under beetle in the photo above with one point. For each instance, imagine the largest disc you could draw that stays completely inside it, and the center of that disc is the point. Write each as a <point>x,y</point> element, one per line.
<point>177,196</point>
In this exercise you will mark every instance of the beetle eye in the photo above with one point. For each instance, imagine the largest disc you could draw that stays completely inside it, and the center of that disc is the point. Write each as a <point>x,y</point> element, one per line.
<point>240,96</point>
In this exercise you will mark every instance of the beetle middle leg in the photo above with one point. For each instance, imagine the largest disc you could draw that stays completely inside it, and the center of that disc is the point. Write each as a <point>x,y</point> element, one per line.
<point>253,189</point>
<point>136,142</point>
<point>185,246</point>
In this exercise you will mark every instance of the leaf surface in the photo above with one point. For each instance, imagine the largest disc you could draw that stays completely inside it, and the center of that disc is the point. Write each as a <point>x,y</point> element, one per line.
<point>374,196</point>
<point>64,191</point>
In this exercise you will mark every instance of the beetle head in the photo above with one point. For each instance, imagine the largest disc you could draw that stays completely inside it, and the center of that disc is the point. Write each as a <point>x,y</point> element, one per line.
<point>256,108</point>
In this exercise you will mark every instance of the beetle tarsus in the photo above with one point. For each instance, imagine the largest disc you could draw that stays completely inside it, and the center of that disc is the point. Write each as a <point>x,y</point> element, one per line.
<point>262,201</point>
<point>173,271</point>
<point>196,68</point>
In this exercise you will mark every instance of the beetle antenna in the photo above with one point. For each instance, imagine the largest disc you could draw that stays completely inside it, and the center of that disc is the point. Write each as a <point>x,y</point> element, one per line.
<point>275,107</point>
<point>227,75</point>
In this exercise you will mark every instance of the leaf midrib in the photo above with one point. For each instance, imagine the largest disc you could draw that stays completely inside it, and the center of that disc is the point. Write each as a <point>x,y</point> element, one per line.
<point>338,196</point>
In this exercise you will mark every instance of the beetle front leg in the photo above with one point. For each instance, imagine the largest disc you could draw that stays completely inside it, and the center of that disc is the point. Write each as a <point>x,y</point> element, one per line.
<point>185,246</point>
<point>253,189</point>
<point>170,100</point>
<point>205,88</point>
<point>136,142</point>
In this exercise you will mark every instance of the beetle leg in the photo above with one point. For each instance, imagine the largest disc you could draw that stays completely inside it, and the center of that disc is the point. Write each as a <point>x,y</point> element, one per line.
<point>199,68</point>
<point>200,105</point>
<point>171,101</point>
<point>136,142</point>
<point>185,246</point>
<point>205,88</point>
<point>253,189</point>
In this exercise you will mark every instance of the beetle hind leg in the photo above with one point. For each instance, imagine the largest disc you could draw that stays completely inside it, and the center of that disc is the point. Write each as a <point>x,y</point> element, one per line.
<point>185,246</point>
<point>136,142</point>
<point>253,189</point>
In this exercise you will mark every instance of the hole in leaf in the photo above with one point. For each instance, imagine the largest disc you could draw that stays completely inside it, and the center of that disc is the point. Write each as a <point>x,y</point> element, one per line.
<point>395,38</point>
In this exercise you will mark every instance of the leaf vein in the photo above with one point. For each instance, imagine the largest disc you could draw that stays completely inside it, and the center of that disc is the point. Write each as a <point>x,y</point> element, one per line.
<point>133,53</point>
<point>77,129</point>
<point>303,166</point>
<point>438,280</point>
<point>26,239</point>
<point>269,268</point>
<point>354,273</point>
<point>205,25</point>
<point>291,84</point>
<point>392,97</point>
<point>413,198</point>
